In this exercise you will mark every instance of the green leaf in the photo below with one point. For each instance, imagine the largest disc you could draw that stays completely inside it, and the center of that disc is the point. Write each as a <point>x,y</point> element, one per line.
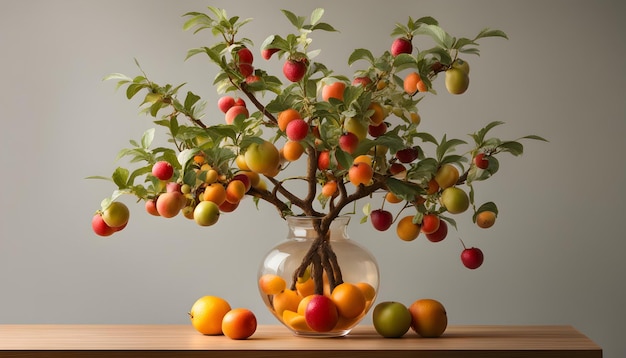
<point>190,177</point>
<point>479,137</point>
<point>535,137</point>
<point>471,51</point>
<point>447,146</point>
<point>132,89</point>
<point>147,138</point>
<point>423,169</point>
<point>441,37</point>
<point>513,147</point>
<point>477,174</point>
<point>491,33</point>
<point>120,177</point>
<point>428,20</point>
<point>99,177</point>
<point>186,155</point>
<point>456,159</point>
<point>405,190</point>
<point>316,15</point>
<point>190,100</point>
<point>324,26</point>
<point>393,142</point>
<point>343,158</point>
<point>136,173</point>
<point>296,21</point>
<point>367,209</point>
<point>361,54</point>
<point>174,126</point>
<point>462,42</point>
<point>117,76</point>
<point>426,137</point>
<point>199,20</point>
<point>488,206</point>
<point>450,221</point>
<point>403,61</point>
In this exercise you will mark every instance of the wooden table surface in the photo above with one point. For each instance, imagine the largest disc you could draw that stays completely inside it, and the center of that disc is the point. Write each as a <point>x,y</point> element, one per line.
<point>276,341</point>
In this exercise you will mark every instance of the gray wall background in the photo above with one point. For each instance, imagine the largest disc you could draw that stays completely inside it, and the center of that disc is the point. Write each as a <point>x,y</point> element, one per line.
<point>555,256</point>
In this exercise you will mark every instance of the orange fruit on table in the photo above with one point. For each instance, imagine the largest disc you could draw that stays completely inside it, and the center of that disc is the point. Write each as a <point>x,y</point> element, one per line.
<point>406,229</point>
<point>428,317</point>
<point>207,313</point>
<point>239,323</point>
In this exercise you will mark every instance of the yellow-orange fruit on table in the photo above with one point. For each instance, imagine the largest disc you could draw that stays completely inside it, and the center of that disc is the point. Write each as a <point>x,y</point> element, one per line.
<point>428,317</point>
<point>207,313</point>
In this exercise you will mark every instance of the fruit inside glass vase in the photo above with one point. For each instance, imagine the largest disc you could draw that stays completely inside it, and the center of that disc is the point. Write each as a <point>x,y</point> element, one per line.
<point>318,287</point>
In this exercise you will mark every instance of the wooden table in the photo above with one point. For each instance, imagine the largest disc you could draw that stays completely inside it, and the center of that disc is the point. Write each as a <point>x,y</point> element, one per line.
<point>276,341</point>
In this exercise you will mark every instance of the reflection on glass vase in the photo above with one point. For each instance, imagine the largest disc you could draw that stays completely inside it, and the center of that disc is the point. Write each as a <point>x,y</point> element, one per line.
<point>318,259</point>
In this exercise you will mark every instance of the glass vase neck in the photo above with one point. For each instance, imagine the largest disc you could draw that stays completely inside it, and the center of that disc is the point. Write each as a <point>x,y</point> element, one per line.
<point>305,227</point>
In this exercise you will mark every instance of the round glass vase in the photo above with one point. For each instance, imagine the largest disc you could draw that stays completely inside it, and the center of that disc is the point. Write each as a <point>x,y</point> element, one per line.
<point>299,267</point>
